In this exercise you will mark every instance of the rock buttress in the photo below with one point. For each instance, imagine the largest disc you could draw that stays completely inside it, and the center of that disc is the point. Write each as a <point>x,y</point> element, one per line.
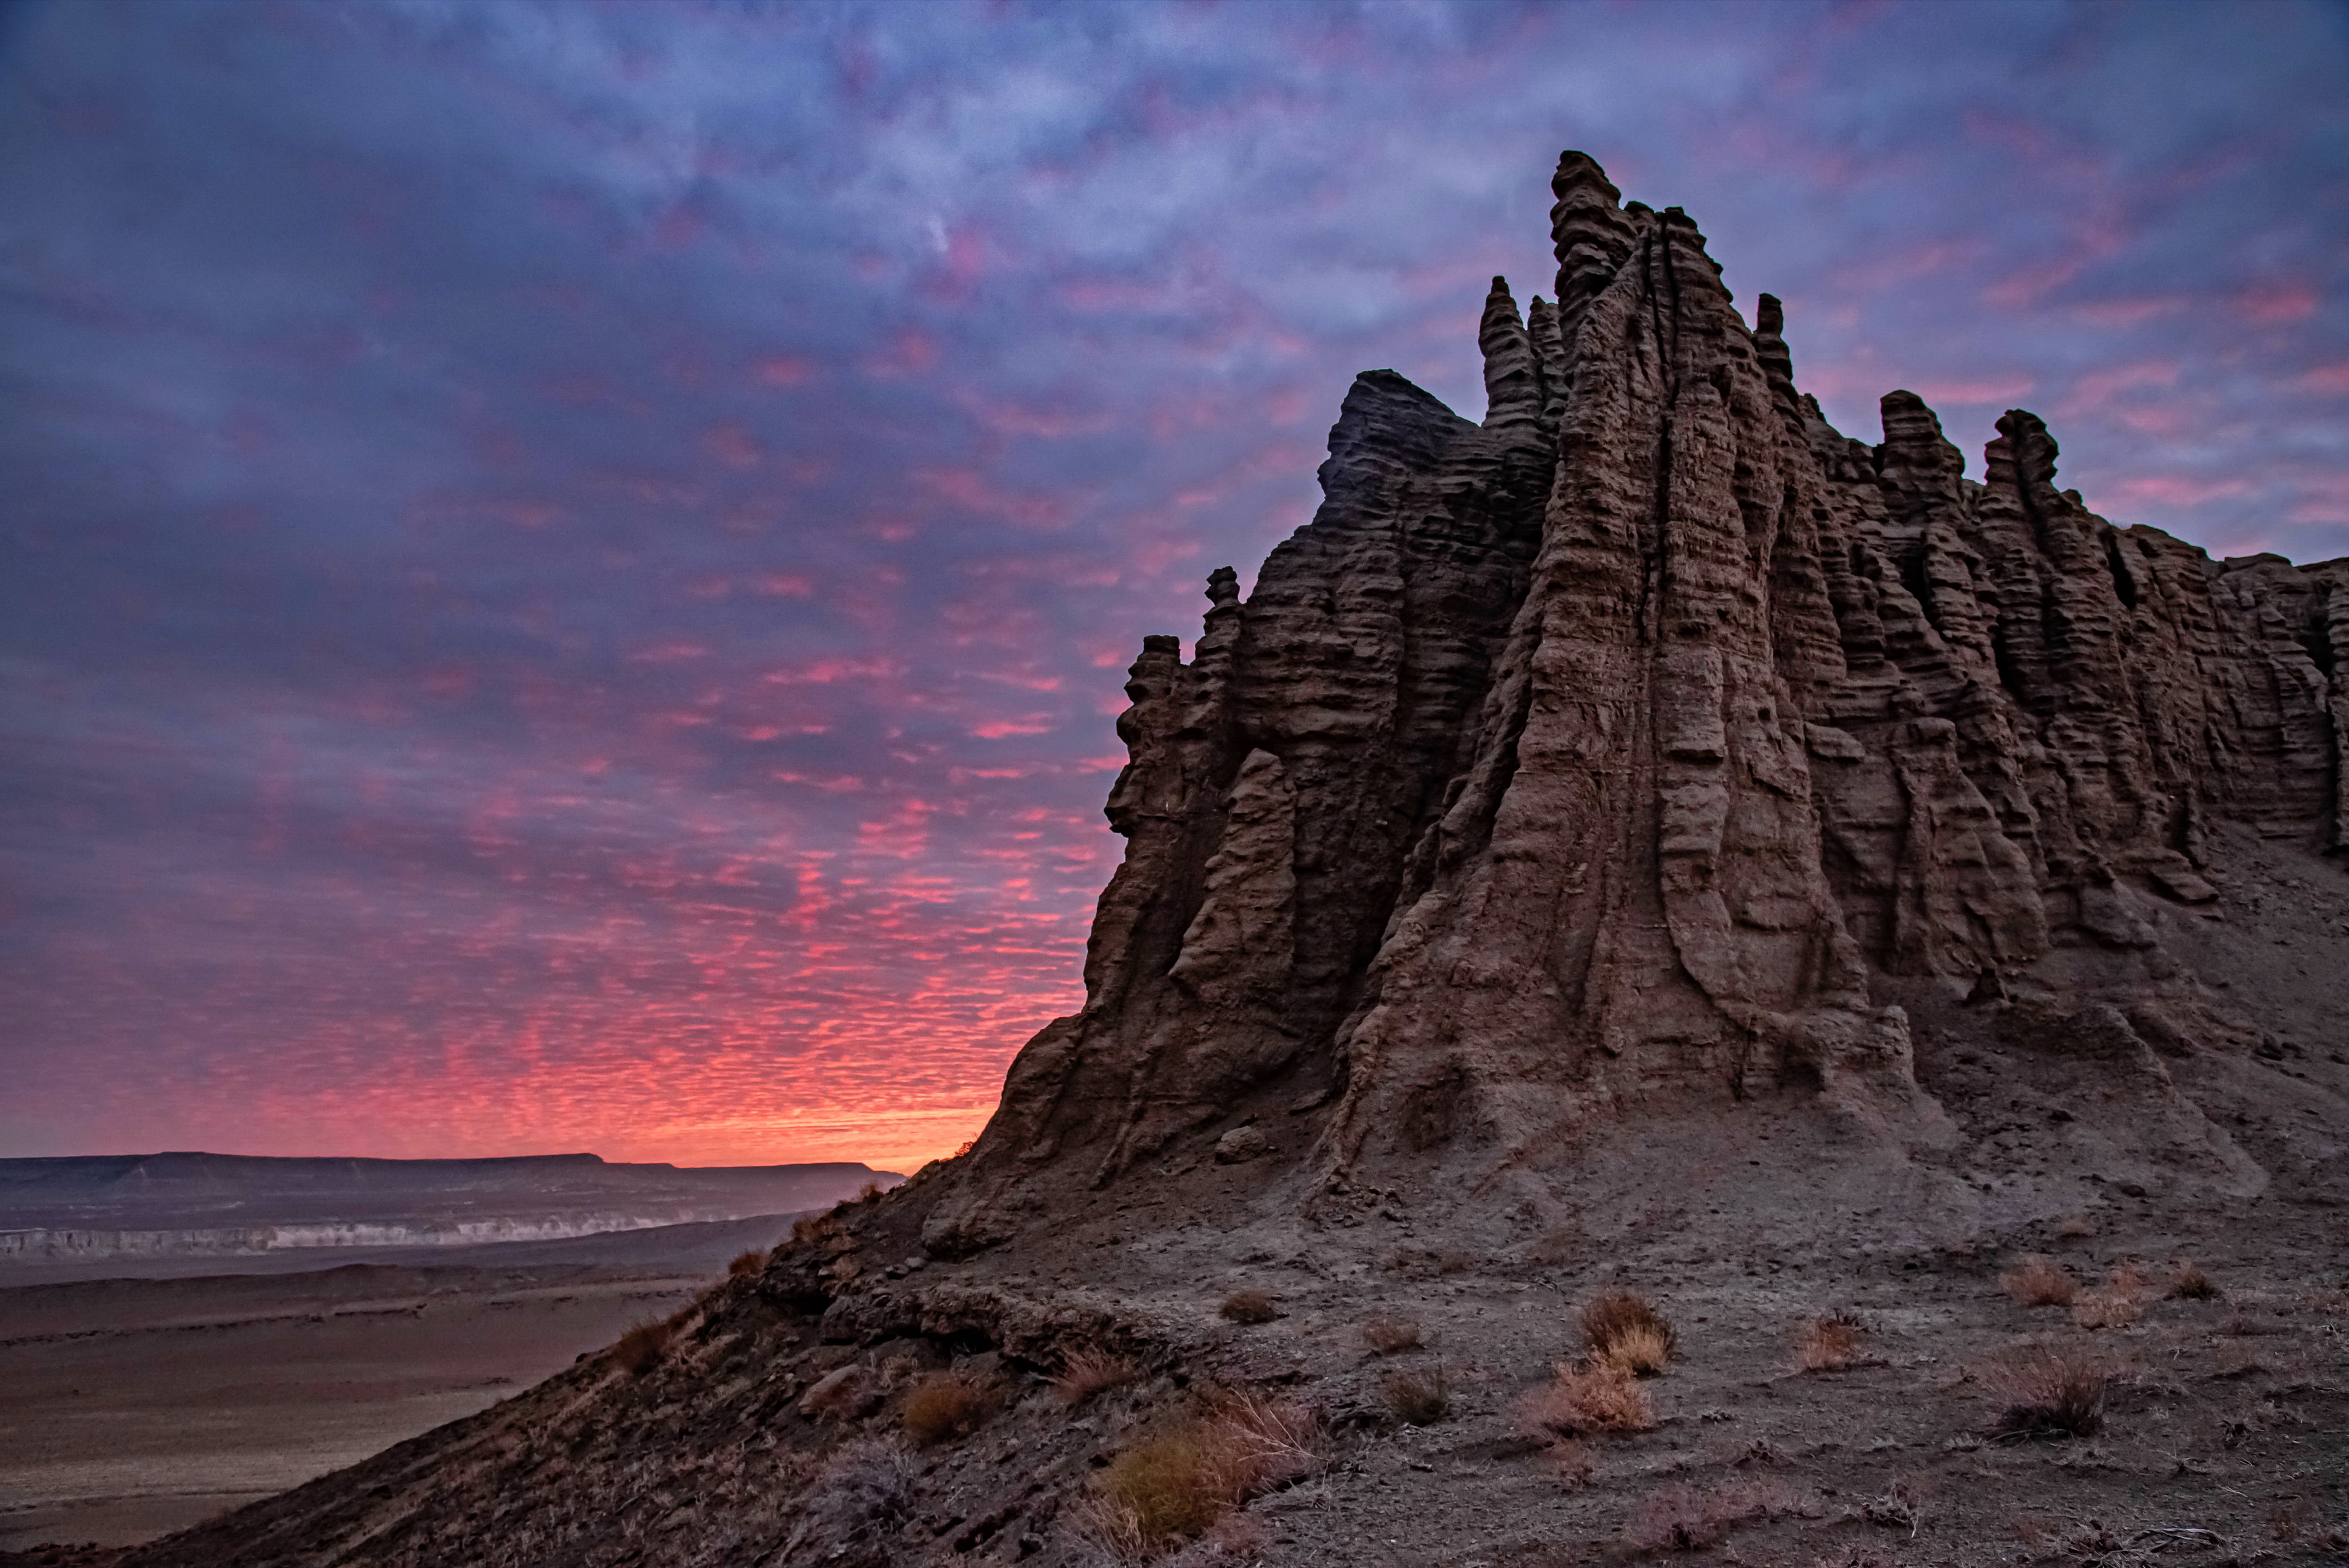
<point>1628,753</point>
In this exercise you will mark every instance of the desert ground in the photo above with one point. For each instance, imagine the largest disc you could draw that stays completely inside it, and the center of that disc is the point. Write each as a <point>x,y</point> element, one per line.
<point>131,1407</point>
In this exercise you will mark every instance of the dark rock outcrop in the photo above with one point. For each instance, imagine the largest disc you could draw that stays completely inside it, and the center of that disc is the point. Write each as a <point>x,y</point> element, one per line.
<point>1640,746</point>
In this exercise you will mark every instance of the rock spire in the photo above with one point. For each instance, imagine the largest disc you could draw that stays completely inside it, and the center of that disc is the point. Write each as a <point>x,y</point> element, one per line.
<point>1651,747</point>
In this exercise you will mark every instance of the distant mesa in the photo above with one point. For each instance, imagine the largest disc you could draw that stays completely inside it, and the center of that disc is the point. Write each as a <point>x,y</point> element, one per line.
<point>188,1203</point>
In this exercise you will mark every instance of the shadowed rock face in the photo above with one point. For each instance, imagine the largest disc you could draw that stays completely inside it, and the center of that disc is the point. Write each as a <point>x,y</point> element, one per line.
<point>1633,749</point>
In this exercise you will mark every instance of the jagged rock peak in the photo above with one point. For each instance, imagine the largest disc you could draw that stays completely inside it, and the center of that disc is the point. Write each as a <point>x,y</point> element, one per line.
<point>1654,749</point>
<point>1512,383</point>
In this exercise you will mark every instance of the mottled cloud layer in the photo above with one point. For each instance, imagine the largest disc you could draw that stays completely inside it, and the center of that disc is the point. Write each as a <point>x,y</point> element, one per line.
<point>568,567</point>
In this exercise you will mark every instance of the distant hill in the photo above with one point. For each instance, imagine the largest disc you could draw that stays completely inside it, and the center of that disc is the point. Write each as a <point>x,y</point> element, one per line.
<point>193,1201</point>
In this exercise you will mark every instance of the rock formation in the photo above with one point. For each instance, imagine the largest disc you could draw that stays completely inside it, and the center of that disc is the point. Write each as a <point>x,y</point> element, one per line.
<point>1652,746</point>
<point>1644,840</point>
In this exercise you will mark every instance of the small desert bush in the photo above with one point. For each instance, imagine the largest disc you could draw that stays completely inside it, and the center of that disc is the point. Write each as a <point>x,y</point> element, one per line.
<point>1086,1372</point>
<point>1417,1398</point>
<point>1390,1336</point>
<point>864,1493</point>
<point>1641,1351</point>
<point>2040,1281</point>
<point>947,1405</point>
<point>811,1228</point>
<point>1172,1486</point>
<point>1829,1343</point>
<point>641,1347</point>
<point>1680,1519</point>
<point>870,1192</point>
<point>748,1262</point>
<point>2106,1309</point>
<point>1627,1331</point>
<point>2053,1396</point>
<point>843,1398</point>
<point>1248,1306</point>
<point>1598,1397</point>
<point>2191,1282</point>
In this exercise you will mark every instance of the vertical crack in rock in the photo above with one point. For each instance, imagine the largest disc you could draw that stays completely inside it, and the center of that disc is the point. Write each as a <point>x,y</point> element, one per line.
<point>1650,747</point>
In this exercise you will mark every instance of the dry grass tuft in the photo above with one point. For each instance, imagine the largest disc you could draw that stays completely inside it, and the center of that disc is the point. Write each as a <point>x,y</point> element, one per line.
<point>1680,1519</point>
<point>1390,1336</point>
<point>1627,1329</point>
<point>2053,1396</point>
<point>1830,1344</point>
<point>864,1492</point>
<point>1248,1306</point>
<point>748,1262</point>
<point>1583,1400</point>
<point>949,1405</point>
<point>1573,1461</point>
<point>811,1228</point>
<point>1417,1398</point>
<point>641,1347</point>
<point>2077,1227</point>
<point>2040,1281</point>
<point>1086,1372</point>
<point>1174,1486</point>
<point>2191,1282</point>
<point>2107,1309</point>
<point>1641,1351</point>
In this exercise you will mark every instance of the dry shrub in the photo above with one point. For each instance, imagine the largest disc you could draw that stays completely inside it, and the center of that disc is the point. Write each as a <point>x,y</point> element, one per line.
<point>1172,1486</point>
<point>862,1497</point>
<point>2106,1309</point>
<point>844,1394</point>
<point>1581,1400</point>
<point>1573,1461</point>
<point>1618,1320</point>
<point>809,1229</point>
<point>748,1262</point>
<point>1417,1398</point>
<point>642,1346</point>
<point>2053,1396</point>
<point>1085,1372</point>
<point>949,1406</point>
<point>2040,1281</point>
<point>2130,1280</point>
<point>1390,1336</point>
<point>1680,1519</point>
<point>2191,1282</point>
<point>1829,1343</point>
<point>1248,1306</point>
<point>1640,1350</point>
<point>869,1193</point>
<point>2075,1227</point>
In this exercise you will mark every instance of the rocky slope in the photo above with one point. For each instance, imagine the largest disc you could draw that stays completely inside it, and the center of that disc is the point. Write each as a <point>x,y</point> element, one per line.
<point>1648,837</point>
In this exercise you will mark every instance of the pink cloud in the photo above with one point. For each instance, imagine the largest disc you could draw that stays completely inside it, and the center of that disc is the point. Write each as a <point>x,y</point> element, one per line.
<point>784,370</point>
<point>974,491</point>
<point>2178,490</point>
<point>669,653</point>
<point>824,672</point>
<point>2128,311</point>
<point>732,444</point>
<point>2327,379</point>
<point>2274,304</point>
<point>783,585</point>
<point>1959,391</point>
<point>2096,389</point>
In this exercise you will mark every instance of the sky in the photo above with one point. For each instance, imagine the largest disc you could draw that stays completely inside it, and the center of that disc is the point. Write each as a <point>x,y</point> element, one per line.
<point>566,569</point>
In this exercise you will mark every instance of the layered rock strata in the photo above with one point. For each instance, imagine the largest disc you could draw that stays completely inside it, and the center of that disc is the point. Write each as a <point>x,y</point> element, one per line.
<point>1634,748</point>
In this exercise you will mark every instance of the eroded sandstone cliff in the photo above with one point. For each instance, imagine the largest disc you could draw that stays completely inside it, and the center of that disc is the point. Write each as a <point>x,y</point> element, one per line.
<point>1653,745</point>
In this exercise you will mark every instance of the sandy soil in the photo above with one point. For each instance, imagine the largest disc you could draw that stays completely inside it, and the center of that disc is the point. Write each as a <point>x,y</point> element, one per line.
<point>131,1407</point>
